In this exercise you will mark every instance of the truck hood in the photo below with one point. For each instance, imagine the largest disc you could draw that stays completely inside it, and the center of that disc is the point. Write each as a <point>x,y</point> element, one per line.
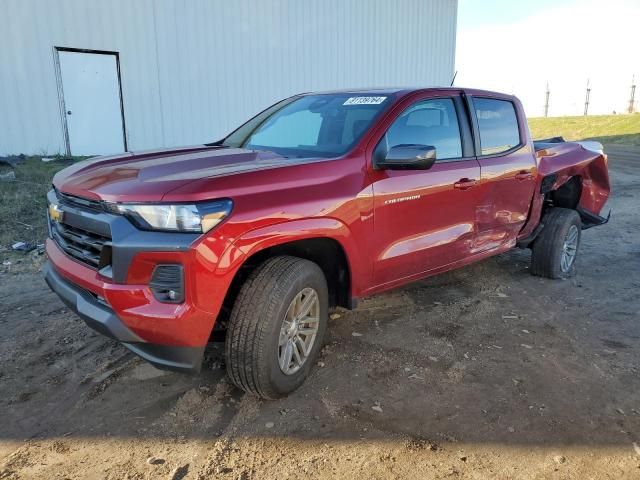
<point>148,176</point>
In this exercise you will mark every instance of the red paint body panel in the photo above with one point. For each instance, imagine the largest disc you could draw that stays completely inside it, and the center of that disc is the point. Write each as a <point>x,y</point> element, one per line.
<point>508,184</point>
<point>187,324</point>
<point>393,226</point>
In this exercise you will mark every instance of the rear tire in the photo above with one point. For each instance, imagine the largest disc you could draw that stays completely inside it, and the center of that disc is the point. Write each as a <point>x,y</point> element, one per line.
<point>262,318</point>
<point>556,248</point>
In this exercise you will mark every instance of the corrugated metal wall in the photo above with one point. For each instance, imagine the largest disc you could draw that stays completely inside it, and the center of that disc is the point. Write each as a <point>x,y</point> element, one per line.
<point>193,69</point>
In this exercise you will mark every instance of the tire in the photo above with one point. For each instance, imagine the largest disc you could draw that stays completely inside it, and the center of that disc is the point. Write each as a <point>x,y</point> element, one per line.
<point>561,233</point>
<point>252,347</point>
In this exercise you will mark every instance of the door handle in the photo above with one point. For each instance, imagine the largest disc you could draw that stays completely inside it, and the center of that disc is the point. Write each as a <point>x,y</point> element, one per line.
<point>465,183</point>
<point>523,175</point>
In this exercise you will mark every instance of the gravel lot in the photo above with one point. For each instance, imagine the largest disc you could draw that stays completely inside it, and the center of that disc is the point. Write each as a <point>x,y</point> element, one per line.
<point>482,372</point>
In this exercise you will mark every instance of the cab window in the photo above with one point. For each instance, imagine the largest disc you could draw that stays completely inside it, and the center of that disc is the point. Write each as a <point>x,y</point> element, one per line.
<point>498,125</point>
<point>429,122</point>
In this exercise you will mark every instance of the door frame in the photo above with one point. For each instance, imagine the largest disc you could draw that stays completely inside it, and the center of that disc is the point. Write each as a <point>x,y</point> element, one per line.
<point>60,87</point>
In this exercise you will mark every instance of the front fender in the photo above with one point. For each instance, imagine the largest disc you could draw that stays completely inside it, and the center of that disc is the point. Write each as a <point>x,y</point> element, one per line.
<point>262,238</point>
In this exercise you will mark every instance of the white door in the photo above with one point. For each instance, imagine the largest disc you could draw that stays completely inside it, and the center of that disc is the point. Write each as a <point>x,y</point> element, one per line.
<point>91,92</point>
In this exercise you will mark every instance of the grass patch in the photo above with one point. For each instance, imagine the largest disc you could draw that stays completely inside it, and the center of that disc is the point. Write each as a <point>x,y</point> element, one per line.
<point>611,129</point>
<point>23,203</point>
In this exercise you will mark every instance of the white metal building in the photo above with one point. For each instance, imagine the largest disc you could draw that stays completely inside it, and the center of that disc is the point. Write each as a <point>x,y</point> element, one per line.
<point>95,77</point>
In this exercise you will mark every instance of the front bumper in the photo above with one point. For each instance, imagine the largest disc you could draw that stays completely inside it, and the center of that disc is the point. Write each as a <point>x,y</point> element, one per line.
<point>103,319</point>
<point>114,297</point>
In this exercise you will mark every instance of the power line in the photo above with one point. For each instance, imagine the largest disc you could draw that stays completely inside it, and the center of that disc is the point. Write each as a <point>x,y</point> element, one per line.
<point>633,94</point>
<point>546,101</point>
<point>586,99</point>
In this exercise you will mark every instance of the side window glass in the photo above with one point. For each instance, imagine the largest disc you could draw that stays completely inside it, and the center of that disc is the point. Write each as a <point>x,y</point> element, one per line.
<point>429,122</point>
<point>498,125</point>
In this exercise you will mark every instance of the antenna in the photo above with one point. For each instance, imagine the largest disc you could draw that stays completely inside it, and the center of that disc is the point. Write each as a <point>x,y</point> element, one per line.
<point>546,101</point>
<point>633,94</point>
<point>454,78</point>
<point>586,99</point>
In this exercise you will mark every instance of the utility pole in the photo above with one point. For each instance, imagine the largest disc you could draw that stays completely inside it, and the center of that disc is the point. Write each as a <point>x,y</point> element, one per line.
<point>633,94</point>
<point>586,99</point>
<point>546,101</point>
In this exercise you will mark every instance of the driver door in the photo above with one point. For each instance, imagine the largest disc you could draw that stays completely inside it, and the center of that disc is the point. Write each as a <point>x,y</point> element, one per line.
<point>425,219</point>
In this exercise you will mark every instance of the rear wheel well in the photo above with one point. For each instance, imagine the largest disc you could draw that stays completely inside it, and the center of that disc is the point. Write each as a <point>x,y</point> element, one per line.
<point>568,195</point>
<point>327,253</point>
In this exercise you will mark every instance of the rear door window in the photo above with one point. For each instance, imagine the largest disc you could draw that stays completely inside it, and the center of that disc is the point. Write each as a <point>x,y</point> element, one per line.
<point>498,125</point>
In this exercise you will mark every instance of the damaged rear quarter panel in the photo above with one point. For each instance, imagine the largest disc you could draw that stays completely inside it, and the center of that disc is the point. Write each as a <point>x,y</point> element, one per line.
<point>567,160</point>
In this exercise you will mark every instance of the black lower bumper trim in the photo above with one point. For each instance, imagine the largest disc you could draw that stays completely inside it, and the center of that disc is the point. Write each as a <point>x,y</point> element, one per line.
<point>169,357</point>
<point>104,320</point>
<point>590,219</point>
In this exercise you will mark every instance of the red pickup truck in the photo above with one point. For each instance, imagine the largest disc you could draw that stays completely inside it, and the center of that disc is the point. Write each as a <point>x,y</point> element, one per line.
<point>319,200</point>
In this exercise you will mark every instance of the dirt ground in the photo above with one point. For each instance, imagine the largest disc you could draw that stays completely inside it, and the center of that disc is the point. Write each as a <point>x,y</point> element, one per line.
<point>485,372</point>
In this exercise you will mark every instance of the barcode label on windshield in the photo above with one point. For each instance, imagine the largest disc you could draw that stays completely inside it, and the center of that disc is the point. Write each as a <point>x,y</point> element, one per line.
<point>365,100</point>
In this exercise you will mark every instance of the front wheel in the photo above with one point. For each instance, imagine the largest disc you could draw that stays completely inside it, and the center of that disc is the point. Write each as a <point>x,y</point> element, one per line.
<point>556,248</point>
<point>277,326</point>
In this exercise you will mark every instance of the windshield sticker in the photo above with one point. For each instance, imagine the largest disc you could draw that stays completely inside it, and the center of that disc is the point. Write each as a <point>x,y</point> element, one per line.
<point>365,100</point>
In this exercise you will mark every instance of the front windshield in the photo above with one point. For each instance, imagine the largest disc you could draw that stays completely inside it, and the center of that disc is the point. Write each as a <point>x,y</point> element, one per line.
<point>325,125</point>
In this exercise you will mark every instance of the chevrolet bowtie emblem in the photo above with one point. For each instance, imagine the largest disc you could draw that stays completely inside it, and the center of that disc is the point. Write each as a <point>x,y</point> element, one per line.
<point>55,213</point>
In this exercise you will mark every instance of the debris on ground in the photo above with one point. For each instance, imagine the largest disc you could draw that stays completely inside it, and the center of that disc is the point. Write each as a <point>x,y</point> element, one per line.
<point>179,473</point>
<point>356,334</point>
<point>8,177</point>
<point>23,247</point>
<point>334,316</point>
<point>13,160</point>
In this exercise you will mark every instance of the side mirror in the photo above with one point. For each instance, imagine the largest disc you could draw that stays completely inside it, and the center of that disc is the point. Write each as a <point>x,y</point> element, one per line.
<point>408,157</point>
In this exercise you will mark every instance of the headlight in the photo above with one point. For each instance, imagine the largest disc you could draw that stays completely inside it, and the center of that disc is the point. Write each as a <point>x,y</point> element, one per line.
<point>198,218</point>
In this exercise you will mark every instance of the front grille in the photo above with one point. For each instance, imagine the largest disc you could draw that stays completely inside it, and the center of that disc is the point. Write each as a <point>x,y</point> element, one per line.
<point>82,203</point>
<point>90,248</point>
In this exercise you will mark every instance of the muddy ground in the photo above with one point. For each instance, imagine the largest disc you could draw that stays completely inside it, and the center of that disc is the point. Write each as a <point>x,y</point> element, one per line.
<point>485,372</point>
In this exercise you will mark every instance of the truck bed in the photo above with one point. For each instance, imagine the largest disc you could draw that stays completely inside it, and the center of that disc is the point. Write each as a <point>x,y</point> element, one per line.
<point>548,143</point>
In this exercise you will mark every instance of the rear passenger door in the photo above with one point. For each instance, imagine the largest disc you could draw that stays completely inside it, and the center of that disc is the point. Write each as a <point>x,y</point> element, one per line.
<point>508,169</point>
<point>424,219</point>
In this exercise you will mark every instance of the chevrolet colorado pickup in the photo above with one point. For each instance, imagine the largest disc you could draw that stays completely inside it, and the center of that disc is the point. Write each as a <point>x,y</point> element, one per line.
<point>319,200</point>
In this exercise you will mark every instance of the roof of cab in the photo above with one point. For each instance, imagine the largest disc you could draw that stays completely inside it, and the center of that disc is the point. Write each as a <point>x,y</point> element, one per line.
<point>402,91</point>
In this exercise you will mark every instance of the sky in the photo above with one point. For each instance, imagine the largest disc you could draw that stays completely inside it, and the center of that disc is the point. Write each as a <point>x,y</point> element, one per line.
<point>518,46</point>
